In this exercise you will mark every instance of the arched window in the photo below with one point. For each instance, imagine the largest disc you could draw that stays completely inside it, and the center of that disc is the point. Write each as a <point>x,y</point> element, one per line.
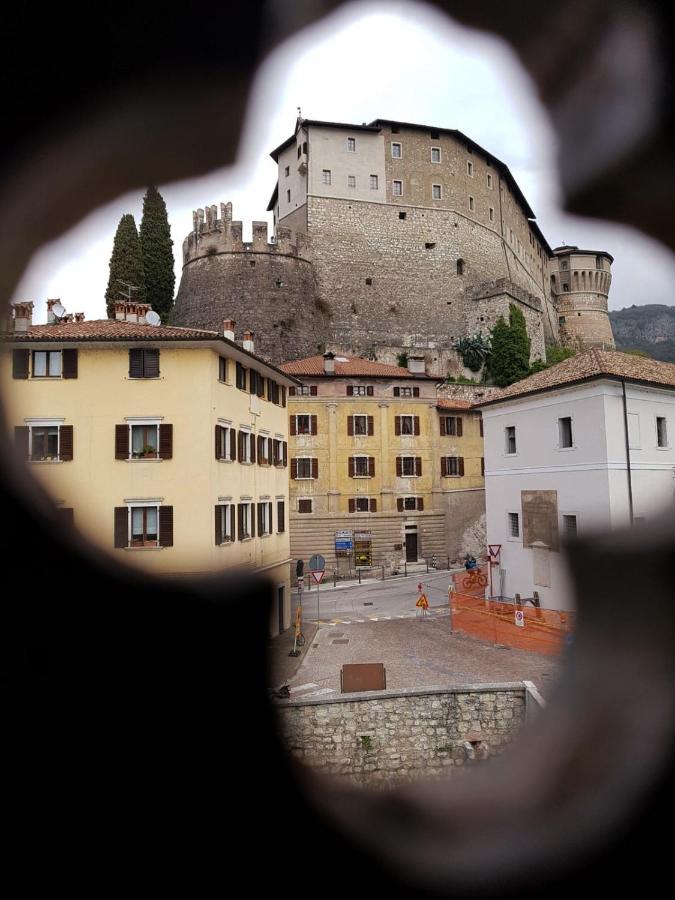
<point>460,266</point>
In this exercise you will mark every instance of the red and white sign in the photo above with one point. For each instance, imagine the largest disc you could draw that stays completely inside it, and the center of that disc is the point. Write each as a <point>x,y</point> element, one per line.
<point>318,576</point>
<point>493,552</point>
<point>520,618</point>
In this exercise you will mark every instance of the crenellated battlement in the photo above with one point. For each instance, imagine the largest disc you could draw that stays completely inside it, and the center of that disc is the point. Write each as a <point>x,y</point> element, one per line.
<point>212,235</point>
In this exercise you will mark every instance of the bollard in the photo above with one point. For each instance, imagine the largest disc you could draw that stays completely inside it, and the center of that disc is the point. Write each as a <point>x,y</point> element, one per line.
<point>405,566</point>
<point>427,562</point>
<point>334,578</point>
<point>359,576</point>
<point>382,573</point>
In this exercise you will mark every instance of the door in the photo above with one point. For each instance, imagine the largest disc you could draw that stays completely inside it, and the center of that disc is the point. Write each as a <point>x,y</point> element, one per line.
<point>411,546</point>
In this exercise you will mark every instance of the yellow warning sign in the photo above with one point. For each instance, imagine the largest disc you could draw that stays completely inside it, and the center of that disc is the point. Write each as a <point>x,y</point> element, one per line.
<point>422,602</point>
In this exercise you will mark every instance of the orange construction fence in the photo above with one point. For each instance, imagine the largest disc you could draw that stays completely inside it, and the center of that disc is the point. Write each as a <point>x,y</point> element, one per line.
<point>543,630</point>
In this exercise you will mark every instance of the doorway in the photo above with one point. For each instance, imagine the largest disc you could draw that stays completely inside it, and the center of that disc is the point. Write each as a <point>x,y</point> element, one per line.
<point>411,546</point>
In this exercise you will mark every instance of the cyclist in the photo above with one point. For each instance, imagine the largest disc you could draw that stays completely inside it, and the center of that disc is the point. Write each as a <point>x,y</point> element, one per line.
<point>470,562</point>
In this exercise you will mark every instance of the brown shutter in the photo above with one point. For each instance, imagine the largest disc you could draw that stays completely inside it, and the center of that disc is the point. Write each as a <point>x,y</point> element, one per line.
<point>399,504</point>
<point>315,468</point>
<point>259,441</point>
<point>281,516</point>
<point>166,526</point>
<point>240,446</point>
<point>219,527</point>
<point>369,391</point>
<point>260,518</point>
<point>373,505</point>
<point>233,443</point>
<point>253,521</point>
<point>121,528</point>
<point>240,521</point>
<point>135,364</point>
<point>397,425</point>
<point>459,426</point>
<point>397,392</point>
<point>292,425</point>
<point>371,426</point>
<point>443,428</point>
<point>399,466</point>
<point>444,465</point>
<point>420,504</point>
<point>270,389</point>
<point>66,443</point>
<point>20,361</point>
<point>283,395</point>
<point>350,390</point>
<point>312,423</point>
<point>285,453</point>
<point>351,466</point>
<point>252,440</point>
<point>294,468</point>
<point>232,530</point>
<point>291,391</point>
<point>418,465</point>
<point>416,392</point>
<point>416,425</point>
<point>261,385</point>
<point>69,367</point>
<point>21,440</point>
<point>218,456</point>
<point>313,390</point>
<point>350,425</point>
<point>151,364</point>
<point>121,442</point>
<point>371,466</point>
<point>165,441</point>
<point>352,506</point>
<point>480,423</point>
<point>461,465</point>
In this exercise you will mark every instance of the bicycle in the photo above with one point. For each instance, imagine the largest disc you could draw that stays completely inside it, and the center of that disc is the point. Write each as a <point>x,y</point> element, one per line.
<point>474,578</point>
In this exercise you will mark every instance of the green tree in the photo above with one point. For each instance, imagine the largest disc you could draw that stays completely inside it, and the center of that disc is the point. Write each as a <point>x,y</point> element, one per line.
<point>509,359</point>
<point>126,265</point>
<point>158,262</point>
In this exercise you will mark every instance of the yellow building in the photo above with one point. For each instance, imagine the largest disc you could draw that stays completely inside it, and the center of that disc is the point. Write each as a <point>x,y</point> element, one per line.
<point>377,464</point>
<point>167,446</point>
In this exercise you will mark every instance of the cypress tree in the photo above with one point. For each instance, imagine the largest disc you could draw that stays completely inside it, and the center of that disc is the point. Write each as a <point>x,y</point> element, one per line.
<point>126,265</point>
<point>156,244</point>
<point>509,360</point>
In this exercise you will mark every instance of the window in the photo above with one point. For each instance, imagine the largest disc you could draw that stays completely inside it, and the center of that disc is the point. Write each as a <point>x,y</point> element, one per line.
<point>241,377</point>
<point>408,466</point>
<point>256,383</point>
<point>304,506</point>
<point>299,150</point>
<point>398,188</point>
<point>264,452</point>
<point>225,515</point>
<point>396,150</point>
<point>287,171</point>
<point>362,504</point>
<point>281,516</point>
<point>351,181</point>
<point>44,442</point>
<point>264,518</point>
<point>351,145</point>
<point>144,526</point>
<point>452,465</point>
<point>561,320</point>
<point>361,467</point>
<point>565,432</point>
<point>410,503</point>
<point>436,191</point>
<point>460,266</point>
<point>143,363</point>
<point>482,467</point>
<point>434,135</point>
<point>46,363</point>
<point>144,441</point>
<point>246,515</point>
<point>304,390</point>
<point>303,424</point>
<point>288,196</point>
<point>279,452</point>
<point>373,183</point>
<point>407,425</point>
<point>469,168</point>
<point>566,287</point>
<point>303,466</point>
<point>489,180</point>
<point>360,425</point>
<point>435,154</point>
<point>245,447</point>
<point>359,390</point>
<point>452,426</point>
<point>226,447</point>
<point>661,432</point>
<point>471,204</point>
<point>510,436</point>
<point>492,214</point>
<point>401,215</point>
<point>222,368</point>
<point>403,392</point>
<point>513,525</point>
<point>326,176</point>
<point>569,524</point>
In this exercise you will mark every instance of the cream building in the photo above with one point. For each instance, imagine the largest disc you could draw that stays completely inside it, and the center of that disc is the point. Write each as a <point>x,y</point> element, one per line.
<point>167,446</point>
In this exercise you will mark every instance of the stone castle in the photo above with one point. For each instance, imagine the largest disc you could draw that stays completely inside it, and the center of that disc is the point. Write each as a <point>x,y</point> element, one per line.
<point>389,238</point>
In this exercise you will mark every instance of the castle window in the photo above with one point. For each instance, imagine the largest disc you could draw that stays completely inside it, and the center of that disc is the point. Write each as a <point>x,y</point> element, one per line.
<point>299,151</point>
<point>401,215</point>
<point>304,506</point>
<point>489,180</point>
<point>469,169</point>
<point>287,171</point>
<point>398,188</point>
<point>492,214</point>
<point>469,149</point>
<point>395,129</point>
<point>471,204</point>
<point>396,150</point>
<point>436,191</point>
<point>326,176</point>
<point>566,287</point>
<point>429,245</point>
<point>460,266</point>
<point>288,196</point>
<point>351,145</point>
<point>435,154</point>
<point>561,320</point>
<point>351,181</point>
<point>304,148</point>
<point>369,280</point>
<point>434,135</point>
<point>373,182</point>
<point>564,264</point>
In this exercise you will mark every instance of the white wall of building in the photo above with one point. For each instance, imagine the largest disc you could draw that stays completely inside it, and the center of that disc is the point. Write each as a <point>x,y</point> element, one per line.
<point>328,151</point>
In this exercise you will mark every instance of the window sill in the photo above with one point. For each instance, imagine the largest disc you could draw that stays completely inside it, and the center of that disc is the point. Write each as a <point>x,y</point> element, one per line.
<point>268,534</point>
<point>144,459</point>
<point>142,549</point>
<point>452,476</point>
<point>223,460</point>
<point>362,476</point>
<point>246,462</point>
<point>243,540</point>
<point>46,378</point>
<point>228,543</point>
<point>144,378</point>
<point>45,462</point>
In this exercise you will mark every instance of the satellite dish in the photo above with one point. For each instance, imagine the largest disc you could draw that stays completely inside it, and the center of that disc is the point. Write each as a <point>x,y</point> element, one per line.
<point>58,310</point>
<point>152,318</point>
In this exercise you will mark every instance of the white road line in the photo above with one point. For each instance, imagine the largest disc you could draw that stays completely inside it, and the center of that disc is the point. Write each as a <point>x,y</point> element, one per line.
<point>373,618</point>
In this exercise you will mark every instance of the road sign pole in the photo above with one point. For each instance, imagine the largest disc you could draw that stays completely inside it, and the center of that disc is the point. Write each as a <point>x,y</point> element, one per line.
<point>318,616</point>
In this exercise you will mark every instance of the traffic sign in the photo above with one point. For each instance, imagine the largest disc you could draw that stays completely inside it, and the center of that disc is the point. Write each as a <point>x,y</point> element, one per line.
<point>520,618</point>
<point>493,552</point>
<point>317,562</point>
<point>317,575</point>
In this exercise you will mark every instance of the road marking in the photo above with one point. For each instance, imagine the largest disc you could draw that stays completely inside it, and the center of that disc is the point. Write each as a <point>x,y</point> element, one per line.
<point>400,617</point>
<point>373,618</point>
<point>318,693</point>
<point>303,687</point>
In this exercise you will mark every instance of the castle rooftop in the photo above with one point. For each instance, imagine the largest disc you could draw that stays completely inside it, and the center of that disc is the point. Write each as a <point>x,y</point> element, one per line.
<point>347,366</point>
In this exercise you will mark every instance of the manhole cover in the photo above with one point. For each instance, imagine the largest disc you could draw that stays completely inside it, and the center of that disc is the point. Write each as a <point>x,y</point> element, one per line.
<point>368,604</point>
<point>343,641</point>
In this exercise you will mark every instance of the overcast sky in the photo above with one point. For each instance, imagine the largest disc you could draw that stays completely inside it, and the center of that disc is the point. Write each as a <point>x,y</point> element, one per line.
<point>370,60</point>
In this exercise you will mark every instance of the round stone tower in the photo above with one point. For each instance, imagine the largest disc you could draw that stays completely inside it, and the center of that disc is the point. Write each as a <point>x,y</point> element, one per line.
<point>580,281</point>
<point>267,287</point>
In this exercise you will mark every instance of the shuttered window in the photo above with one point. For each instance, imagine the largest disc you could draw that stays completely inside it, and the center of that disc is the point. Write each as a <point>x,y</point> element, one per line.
<point>44,442</point>
<point>408,466</point>
<point>224,523</point>
<point>241,377</point>
<point>20,360</point>
<point>143,526</point>
<point>143,363</point>
<point>451,426</point>
<point>225,442</point>
<point>410,504</point>
<point>281,516</point>
<point>246,521</point>
<point>452,465</point>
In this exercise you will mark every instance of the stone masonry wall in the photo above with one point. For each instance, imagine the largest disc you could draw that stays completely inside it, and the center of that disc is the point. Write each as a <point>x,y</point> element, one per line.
<point>384,737</point>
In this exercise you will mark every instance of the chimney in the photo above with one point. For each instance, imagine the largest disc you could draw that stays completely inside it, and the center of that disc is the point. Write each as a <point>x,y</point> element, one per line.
<point>228,329</point>
<point>51,316</point>
<point>247,342</point>
<point>416,365</point>
<point>78,317</point>
<point>142,309</point>
<point>131,312</point>
<point>329,363</point>
<point>120,308</point>
<point>23,315</point>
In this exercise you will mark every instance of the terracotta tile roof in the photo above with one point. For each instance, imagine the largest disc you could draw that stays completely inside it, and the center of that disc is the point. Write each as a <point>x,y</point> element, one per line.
<point>593,363</point>
<point>109,330</point>
<point>454,404</point>
<point>349,366</point>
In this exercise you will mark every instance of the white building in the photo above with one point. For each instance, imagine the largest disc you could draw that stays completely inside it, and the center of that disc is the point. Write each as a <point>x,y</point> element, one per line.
<point>587,445</point>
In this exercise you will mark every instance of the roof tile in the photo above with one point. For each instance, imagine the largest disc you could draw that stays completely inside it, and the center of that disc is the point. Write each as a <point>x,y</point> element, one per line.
<point>352,366</point>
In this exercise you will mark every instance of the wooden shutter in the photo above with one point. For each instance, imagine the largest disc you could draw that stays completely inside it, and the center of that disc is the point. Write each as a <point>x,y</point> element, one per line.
<point>285,453</point>
<point>397,392</point>
<point>66,443</point>
<point>420,504</point>
<point>292,423</point>
<point>444,465</point>
<point>399,466</point>
<point>291,391</point>
<point>240,521</point>
<point>351,466</point>
<point>315,468</point>
<point>371,426</point>
<point>312,424</point>
<point>350,390</point>
<point>294,468</point>
<point>461,465</point>
<point>260,518</point>
<point>165,441</point>
<point>416,425</point>
<point>397,425</point>
<point>313,390</point>
<point>371,466</point>
<point>259,441</point>
<point>350,425</point>
<point>418,465</point>
<point>69,367</point>
<point>480,424</point>
<point>270,389</point>
<point>261,385</point>
<point>219,527</point>
<point>233,443</point>
<point>240,446</point>
<point>232,523</point>
<point>20,362</point>
<point>135,364</point>
<point>22,440</point>
<point>352,506</point>
<point>443,428</point>
<point>166,526</point>
<point>281,516</point>
<point>252,445</point>
<point>369,391</point>
<point>399,504</point>
<point>459,426</point>
<point>416,392</point>
<point>151,363</point>
<point>121,442</point>
<point>373,505</point>
<point>218,455</point>
<point>283,395</point>
<point>121,528</point>
<point>482,466</point>
<point>252,505</point>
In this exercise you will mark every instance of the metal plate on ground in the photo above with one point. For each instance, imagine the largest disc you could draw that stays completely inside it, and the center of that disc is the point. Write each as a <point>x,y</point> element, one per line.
<point>362,677</point>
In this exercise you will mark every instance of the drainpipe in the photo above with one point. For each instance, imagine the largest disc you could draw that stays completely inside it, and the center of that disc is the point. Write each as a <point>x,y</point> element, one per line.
<point>628,469</point>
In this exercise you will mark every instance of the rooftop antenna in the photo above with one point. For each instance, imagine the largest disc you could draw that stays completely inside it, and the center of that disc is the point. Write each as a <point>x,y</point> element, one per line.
<point>129,288</point>
<point>59,312</point>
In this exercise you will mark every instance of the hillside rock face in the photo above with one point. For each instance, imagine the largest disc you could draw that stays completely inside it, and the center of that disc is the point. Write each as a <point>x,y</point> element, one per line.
<point>649,328</point>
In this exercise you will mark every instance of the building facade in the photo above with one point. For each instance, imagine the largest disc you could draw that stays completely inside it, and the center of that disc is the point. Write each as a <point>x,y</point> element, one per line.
<point>379,472</point>
<point>568,453</point>
<point>164,446</point>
